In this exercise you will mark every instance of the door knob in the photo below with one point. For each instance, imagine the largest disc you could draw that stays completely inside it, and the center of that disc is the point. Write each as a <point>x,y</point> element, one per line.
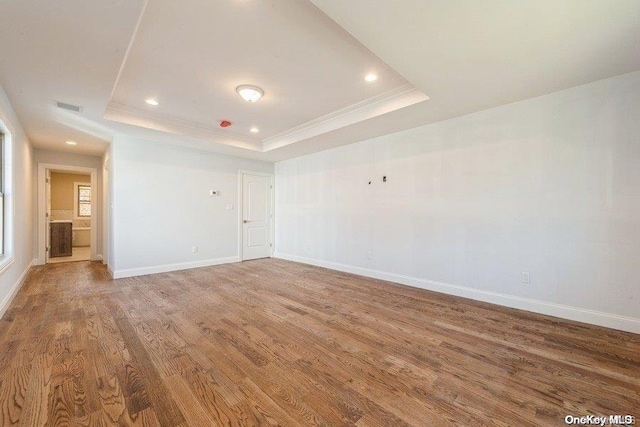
<point>245,221</point>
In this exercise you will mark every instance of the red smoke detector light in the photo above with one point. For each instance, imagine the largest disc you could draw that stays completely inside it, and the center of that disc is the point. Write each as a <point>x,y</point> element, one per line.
<point>225,124</point>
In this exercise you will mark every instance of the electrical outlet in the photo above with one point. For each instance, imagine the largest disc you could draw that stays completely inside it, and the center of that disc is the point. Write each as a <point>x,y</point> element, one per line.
<point>526,277</point>
<point>194,249</point>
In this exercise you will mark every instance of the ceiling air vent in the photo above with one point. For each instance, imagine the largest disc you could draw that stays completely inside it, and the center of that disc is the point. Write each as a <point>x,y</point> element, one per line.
<point>70,107</point>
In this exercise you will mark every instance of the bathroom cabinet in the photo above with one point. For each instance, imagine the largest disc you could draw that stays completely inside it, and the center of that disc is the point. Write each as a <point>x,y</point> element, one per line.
<point>61,239</point>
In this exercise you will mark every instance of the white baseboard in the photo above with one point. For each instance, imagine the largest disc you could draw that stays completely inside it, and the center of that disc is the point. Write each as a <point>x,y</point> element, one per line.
<point>99,258</point>
<point>16,287</point>
<point>131,272</point>
<point>599,318</point>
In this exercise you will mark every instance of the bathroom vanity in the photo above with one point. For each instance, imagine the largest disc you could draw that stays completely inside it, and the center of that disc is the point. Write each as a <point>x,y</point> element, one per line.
<point>61,238</point>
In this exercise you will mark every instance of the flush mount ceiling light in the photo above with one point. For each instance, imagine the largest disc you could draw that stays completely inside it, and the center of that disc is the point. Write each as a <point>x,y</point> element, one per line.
<point>71,143</point>
<point>152,101</point>
<point>371,78</point>
<point>250,93</point>
<point>254,130</point>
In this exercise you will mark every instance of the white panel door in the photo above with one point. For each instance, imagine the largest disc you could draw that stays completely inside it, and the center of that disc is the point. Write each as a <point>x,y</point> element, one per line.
<point>256,216</point>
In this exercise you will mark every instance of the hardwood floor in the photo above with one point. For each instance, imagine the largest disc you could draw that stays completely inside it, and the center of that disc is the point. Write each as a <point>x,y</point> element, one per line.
<point>273,342</point>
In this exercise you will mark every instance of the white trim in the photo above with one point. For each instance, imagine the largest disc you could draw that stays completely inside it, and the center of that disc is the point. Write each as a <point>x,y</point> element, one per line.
<point>267,174</point>
<point>164,123</point>
<point>392,100</point>
<point>131,272</point>
<point>42,206</point>
<point>5,264</point>
<point>594,317</point>
<point>272,225</point>
<point>106,194</point>
<point>15,288</point>
<point>375,106</point>
<point>8,227</point>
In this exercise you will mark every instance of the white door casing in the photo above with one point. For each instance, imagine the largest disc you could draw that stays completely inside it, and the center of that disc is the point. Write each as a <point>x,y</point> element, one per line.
<point>257,215</point>
<point>43,229</point>
<point>47,196</point>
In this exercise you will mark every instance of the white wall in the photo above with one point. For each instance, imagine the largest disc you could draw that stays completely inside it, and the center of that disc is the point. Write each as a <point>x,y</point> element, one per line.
<point>161,207</point>
<point>549,185</point>
<point>79,160</point>
<point>21,248</point>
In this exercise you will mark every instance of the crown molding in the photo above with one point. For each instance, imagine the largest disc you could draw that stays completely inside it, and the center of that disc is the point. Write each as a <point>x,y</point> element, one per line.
<point>395,99</point>
<point>134,116</point>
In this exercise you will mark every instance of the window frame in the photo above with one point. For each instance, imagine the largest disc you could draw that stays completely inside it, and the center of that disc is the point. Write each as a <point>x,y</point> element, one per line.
<point>76,200</point>
<point>2,208</point>
<point>6,174</point>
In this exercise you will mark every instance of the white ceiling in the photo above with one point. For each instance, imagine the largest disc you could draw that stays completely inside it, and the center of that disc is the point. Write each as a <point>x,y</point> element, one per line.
<point>470,55</point>
<point>466,55</point>
<point>307,65</point>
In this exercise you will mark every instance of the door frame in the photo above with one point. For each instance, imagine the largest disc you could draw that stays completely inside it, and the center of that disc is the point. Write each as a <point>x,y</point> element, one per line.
<point>241,173</point>
<point>42,207</point>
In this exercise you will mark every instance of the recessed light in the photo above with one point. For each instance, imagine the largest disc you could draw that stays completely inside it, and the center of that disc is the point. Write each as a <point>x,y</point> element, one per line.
<point>250,93</point>
<point>152,101</point>
<point>371,77</point>
<point>254,130</point>
<point>71,143</point>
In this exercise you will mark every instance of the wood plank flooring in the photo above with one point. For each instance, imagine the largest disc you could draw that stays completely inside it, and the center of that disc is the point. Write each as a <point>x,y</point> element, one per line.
<point>271,342</point>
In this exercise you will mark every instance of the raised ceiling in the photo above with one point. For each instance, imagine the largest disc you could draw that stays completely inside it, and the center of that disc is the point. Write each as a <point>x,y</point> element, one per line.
<point>310,57</point>
<point>191,55</point>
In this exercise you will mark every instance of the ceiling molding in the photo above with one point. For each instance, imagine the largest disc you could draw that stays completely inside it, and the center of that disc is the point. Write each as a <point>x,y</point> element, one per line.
<point>395,99</point>
<point>141,118</point>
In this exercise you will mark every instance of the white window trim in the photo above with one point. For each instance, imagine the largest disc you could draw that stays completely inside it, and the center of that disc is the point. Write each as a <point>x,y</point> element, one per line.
<point>75,201</point>
<point>8,131</point>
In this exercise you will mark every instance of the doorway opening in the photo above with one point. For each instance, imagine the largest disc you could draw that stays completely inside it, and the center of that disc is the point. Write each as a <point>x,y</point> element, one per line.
<point>67,213</point>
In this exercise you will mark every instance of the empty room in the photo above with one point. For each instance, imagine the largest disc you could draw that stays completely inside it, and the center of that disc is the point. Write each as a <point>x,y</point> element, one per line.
<point>319,212</point>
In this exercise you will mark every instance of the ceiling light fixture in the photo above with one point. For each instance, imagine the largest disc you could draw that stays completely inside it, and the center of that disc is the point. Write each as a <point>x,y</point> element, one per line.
<point>250,93</point>
<point>254,130</point>
<point>152,101</point>
<point>371,78</point>
<point>71,143</point>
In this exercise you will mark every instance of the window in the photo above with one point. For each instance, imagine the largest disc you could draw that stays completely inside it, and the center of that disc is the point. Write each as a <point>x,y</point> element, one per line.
<point>1,195</point>
<point>82,200</point>
<point>6,195</point>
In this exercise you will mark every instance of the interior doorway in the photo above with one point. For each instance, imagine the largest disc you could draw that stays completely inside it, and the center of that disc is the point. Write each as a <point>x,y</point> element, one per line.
<point>67,213</point>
